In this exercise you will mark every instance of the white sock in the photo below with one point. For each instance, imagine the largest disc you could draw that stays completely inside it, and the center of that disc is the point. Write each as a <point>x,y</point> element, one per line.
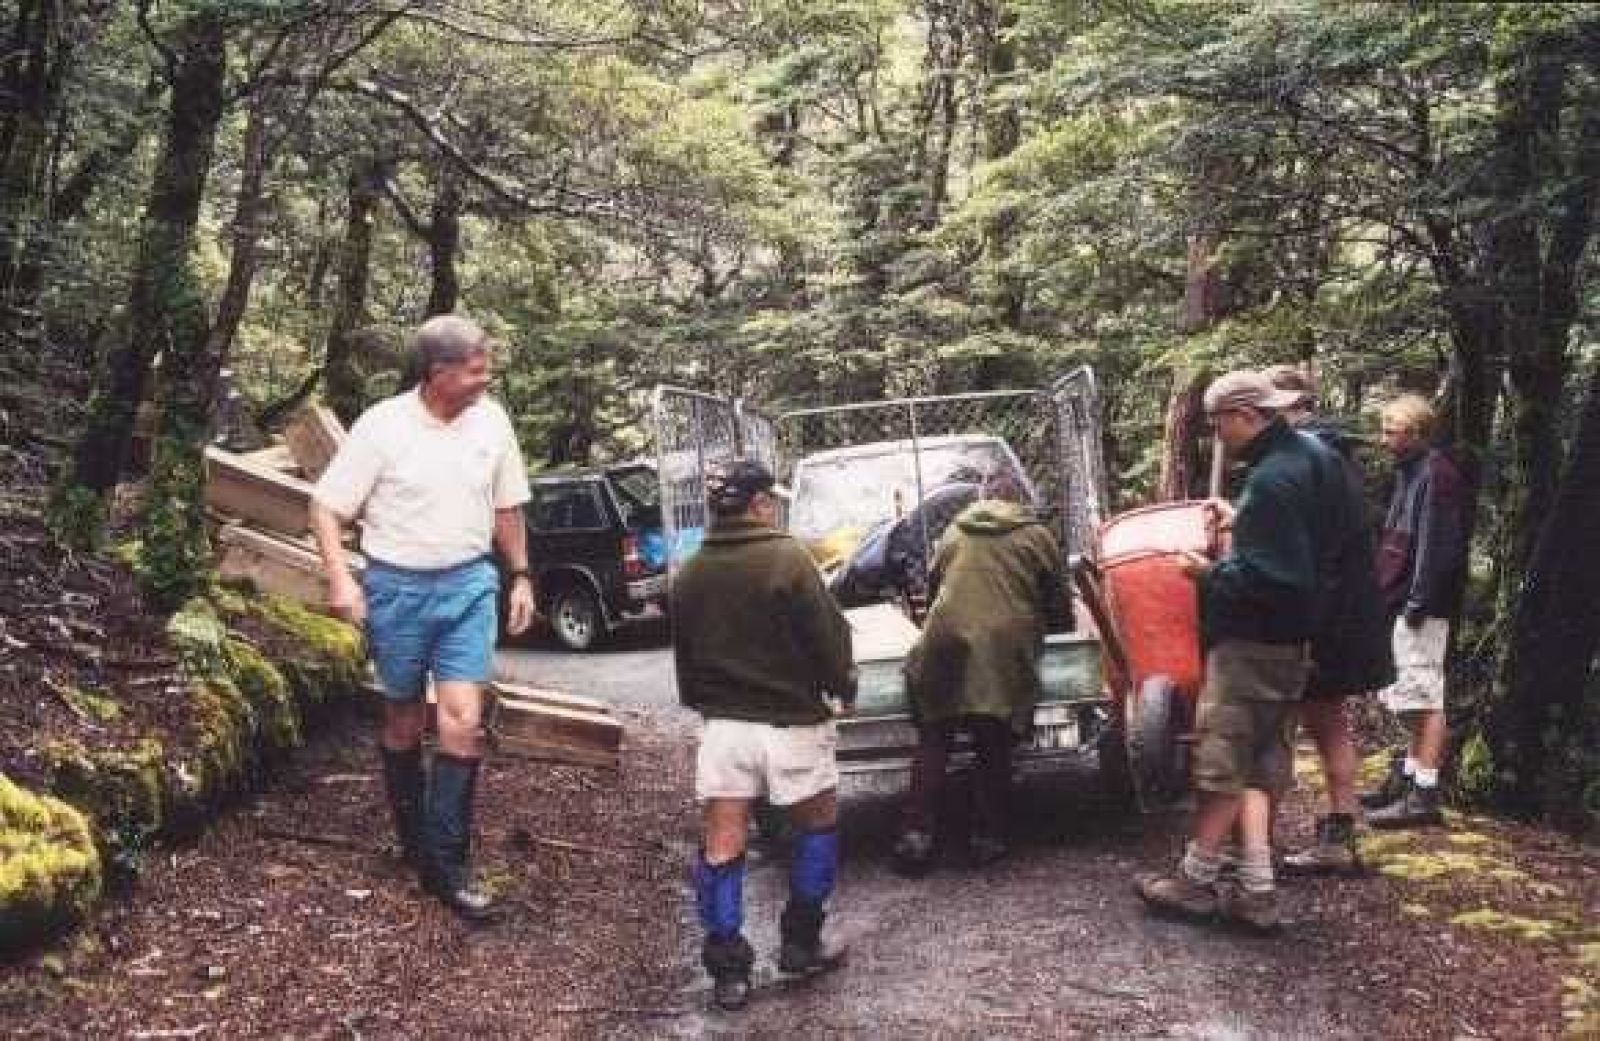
<point>1411,767</point>
<point>1199,866</point>
<point>1425,778</point>
<point>1255,870</point>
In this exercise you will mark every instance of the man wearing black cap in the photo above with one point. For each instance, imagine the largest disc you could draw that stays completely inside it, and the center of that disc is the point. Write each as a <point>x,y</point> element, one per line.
<point>763,654</point>
<point>1259,609</point>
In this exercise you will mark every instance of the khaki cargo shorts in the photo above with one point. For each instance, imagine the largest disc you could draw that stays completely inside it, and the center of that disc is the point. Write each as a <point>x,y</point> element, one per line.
<point>1246,717</point>
<point>1419,667</point>
<point>740,760</point>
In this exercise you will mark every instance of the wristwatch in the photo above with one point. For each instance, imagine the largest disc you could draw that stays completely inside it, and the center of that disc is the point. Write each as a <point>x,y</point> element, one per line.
<point>520,572</point>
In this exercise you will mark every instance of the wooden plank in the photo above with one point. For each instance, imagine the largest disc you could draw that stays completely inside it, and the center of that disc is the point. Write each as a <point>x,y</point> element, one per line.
<point>314,437</point>
<point>258,494</point>
<point>274,457</point>
<point>274,564</point>
<point>553,698</point>
<point>537,731</point>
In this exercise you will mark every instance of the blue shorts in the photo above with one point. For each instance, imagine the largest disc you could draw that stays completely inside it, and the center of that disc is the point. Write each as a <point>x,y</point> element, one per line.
<point>440,623</point>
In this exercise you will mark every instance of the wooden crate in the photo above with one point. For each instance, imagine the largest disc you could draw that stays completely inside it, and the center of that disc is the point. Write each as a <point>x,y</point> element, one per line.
<point>314,437</point>
<point>286,567</point>
<point>554,727</point>
<point>257,494</point>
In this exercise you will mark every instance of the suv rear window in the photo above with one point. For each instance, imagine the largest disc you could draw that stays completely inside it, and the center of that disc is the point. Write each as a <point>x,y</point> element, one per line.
<point>638,486</point>
<point>567,507</point>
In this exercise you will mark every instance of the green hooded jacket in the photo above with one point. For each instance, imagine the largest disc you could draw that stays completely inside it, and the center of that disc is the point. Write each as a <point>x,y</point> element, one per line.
<point>999,584</point>
<point>755,633</point>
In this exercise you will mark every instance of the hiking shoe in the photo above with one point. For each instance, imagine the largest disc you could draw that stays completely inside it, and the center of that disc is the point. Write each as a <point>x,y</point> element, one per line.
<point>1332,853</point>
<point>729,960</point>
<point>1177,894</point>
<point>1393,786</point>
<point>730,993</point>
<point>1417,808</point>
<point>913,854</point>
<point>802,958</point>
<point>1255,910</point>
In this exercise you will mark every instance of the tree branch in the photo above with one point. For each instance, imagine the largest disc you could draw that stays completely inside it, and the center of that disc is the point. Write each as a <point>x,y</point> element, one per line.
<point>168,58</point>
<point>403,208</point>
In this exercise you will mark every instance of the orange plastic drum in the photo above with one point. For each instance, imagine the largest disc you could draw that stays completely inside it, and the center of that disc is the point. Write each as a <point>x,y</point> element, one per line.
<point>1155,608</point>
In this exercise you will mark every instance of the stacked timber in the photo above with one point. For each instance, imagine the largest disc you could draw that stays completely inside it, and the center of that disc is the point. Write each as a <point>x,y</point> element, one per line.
<point>262,501</point>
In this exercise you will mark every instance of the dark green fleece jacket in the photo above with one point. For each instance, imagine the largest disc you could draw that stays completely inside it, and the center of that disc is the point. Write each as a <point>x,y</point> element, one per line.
<point>1268,588</point>
<point>755,633</point>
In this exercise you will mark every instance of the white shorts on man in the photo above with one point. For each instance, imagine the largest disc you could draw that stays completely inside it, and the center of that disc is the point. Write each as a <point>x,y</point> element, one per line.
<point>1419,667</point>
<point>784,764</point>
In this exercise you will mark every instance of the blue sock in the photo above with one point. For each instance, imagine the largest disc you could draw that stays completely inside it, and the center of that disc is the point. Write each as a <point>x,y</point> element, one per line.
<point>719,894</point>
<point>815,866</point>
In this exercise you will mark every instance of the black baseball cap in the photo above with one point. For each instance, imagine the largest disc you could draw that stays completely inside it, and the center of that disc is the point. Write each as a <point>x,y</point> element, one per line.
<point>732,483</point>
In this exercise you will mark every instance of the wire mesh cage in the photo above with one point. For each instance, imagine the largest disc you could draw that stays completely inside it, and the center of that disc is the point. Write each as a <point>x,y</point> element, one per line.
<point>855,467</point>
<point>692,431</point>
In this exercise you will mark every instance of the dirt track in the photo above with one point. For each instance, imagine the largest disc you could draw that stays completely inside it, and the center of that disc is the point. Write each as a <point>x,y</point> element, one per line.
<point>288,920</point>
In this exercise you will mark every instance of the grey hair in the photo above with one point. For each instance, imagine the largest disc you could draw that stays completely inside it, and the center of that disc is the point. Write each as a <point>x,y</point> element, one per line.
<point>446,339</point>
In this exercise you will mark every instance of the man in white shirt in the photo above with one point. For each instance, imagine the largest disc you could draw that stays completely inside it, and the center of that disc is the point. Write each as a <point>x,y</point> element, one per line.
<point>437,480</point>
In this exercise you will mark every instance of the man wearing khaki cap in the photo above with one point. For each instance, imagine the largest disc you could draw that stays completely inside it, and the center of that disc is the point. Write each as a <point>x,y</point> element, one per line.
<point>1258,608</point>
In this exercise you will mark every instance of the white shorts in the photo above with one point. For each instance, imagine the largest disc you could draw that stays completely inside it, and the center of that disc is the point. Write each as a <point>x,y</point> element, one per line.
<point>1419,667</point>
<point>739,760</point>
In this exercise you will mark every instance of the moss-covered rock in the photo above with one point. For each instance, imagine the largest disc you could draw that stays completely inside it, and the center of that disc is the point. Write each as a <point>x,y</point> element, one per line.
<point>222,747</point>
<point>245,706</point>
<point>268,693</point>
<point>122,791</point>
<point>49,869</point>
<point>330,659</point>
<point>197,634</point>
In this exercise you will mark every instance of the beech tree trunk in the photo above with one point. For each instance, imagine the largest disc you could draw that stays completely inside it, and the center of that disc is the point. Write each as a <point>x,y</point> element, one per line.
<point>444,243</point>
<point>1544,732</point>
<point>166,309</point>
<point>344,386</point>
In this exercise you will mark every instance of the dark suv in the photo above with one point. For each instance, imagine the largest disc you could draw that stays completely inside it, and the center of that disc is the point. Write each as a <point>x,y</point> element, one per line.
<point>596,549</point>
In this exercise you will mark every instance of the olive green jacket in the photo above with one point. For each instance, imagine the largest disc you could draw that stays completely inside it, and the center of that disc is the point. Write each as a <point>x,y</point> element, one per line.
<point>1000,582</point>
<point>755,633</point>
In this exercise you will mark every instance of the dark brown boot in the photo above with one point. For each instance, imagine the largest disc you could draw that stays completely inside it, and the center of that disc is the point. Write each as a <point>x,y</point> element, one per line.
<point>1333,852</point>
<point>1392,788</point>
<point>1177,894</point>
<point>406,787</point>
<point>1417,808</point>
<point>449,839</point>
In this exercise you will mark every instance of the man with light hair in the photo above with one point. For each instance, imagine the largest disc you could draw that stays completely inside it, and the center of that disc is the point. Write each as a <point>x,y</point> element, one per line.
<point>1258,607</point>
<point>1350,652</point>
<point>1422,571</point>
<point>437,479</point>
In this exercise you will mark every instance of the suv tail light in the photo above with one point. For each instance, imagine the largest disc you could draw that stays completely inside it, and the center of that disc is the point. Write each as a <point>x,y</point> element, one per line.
<point>632,562</point>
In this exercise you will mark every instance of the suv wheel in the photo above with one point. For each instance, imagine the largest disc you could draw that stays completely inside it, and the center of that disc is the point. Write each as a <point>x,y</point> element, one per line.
<point>576,619</point>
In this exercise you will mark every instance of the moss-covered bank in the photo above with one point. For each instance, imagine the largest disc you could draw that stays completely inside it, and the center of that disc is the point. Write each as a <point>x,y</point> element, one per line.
<point>253,670</point>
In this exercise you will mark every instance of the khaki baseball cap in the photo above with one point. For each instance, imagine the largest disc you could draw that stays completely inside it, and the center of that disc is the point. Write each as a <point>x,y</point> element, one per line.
<point>1246,388</point>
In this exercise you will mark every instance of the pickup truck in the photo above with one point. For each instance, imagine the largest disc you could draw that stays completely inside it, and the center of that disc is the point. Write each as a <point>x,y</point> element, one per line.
<point>843,500</point>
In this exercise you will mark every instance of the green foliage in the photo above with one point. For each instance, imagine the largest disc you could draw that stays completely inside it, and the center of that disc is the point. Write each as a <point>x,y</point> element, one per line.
<point>1475,775</point>
<point>76,517</point>
<point>815,201</point>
